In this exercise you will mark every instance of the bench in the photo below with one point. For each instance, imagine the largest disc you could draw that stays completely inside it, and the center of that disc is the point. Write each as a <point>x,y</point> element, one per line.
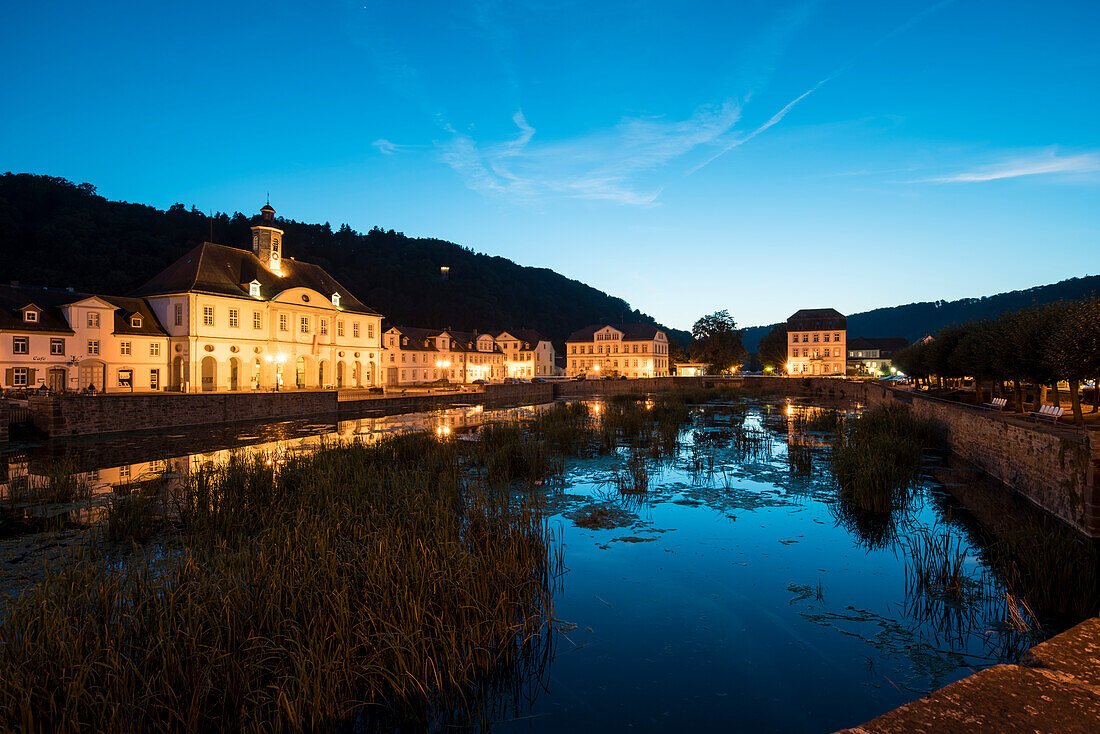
<point>1054,412</point>
<point>998,403</point>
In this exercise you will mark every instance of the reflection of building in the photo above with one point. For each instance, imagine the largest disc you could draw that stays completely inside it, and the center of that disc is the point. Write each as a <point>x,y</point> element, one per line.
<point>254,320</point>
<point>816,342</point>
<point>64,340</point>
<point>629,350</point>
<point>691,369</point>
<point>871,356</point>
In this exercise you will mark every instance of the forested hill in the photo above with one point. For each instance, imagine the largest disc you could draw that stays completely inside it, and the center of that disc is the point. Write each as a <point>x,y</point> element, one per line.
<point>57,233</point>
<point>914,320</point>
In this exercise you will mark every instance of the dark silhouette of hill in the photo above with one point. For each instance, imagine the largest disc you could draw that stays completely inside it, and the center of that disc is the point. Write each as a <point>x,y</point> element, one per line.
<point>58,233</point>
<point>914,320</point>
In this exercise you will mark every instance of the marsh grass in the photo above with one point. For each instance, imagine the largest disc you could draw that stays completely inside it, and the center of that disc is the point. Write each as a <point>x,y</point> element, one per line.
<point>356,586</point>
<point>800,458</point>
<point>960,598</point>
<point>876,457</point>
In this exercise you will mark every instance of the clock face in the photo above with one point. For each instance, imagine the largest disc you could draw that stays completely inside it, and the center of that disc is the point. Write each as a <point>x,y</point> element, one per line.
<point>274,255</point>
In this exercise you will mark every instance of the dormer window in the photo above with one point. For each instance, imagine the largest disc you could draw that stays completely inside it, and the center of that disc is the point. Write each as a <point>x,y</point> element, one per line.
<point>135,321</point>
<point>254,289</point>
<point>336,300</point>
<point>30,316</point>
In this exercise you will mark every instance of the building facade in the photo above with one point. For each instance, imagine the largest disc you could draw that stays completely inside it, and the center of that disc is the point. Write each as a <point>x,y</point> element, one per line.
<point>527,353</point>
<point>623,350</point>
<point>67,341</point>
<point>872,356</point>
<point>255,320</point>
<point>817,342</point>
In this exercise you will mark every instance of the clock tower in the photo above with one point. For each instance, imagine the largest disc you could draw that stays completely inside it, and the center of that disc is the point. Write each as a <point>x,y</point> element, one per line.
<point>267,240</point>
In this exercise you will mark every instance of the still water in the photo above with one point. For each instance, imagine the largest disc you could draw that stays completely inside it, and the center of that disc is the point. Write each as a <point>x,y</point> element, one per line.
<point>735,593</point>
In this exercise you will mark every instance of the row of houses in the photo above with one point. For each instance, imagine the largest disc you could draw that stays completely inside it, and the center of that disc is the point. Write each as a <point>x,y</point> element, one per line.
<point>226,319</point>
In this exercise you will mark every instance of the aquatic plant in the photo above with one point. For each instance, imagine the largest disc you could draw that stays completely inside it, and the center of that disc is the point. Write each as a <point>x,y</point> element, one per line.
<point>876,458</point>
<point>378,584</point>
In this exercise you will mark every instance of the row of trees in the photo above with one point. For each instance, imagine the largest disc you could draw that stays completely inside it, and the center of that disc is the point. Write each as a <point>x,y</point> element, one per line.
<point>1041,345</point>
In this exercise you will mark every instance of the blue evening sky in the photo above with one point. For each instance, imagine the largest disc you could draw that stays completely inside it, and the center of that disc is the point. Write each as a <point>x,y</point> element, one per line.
<point>757,156</point>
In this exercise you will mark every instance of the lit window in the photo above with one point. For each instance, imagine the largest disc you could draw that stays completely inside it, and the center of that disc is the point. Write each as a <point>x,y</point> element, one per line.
<point>20,345</point>
<point>336,300</point>
<point>254,289</point>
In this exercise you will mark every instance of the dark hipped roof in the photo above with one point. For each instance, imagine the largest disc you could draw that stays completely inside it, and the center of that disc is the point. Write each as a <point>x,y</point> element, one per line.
<point>631,332</point>
<point>227,271</point>
<point>888,344</point>
<point>529,336</point>
<point>418,338</point>
<point>464,341</point>
<point>50,300</point>
<point>13,298</point>
<point>817,319</point>
<point>126,308</point>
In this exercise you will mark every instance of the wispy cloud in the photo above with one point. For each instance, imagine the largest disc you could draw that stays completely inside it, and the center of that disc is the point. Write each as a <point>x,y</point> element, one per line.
<point>605,165</point>
<point>1045,162</point>
<point>388,147</point>
<point>778,116</point>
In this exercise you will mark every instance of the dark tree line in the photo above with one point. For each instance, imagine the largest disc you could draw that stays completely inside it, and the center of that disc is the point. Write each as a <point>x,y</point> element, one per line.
<point>914,320</point>
<point>1040,346</point>
<point>57,233</point>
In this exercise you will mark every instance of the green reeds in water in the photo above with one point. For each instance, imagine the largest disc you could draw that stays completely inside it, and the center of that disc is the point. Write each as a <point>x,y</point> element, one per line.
<point>367,586</point>
<point>876,457</point>
<point>961,599</point>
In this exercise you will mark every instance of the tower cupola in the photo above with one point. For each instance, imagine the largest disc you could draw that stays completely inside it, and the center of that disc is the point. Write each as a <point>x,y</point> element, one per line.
<point>267,240</point>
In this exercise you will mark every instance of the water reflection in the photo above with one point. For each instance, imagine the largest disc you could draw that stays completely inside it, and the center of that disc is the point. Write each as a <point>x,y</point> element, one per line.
<point>101,466</point>
<point>729,577</point>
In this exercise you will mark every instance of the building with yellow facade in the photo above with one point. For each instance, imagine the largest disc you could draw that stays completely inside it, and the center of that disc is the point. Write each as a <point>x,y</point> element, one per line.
<point>620,350</point>
<point>816,342</point>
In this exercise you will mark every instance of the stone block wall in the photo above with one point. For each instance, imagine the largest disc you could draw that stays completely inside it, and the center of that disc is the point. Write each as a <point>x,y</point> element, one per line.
<point>78,415</point>
<point>1054,468</point>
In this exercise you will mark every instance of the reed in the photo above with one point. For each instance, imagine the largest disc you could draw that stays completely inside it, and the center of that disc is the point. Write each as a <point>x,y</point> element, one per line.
<point>876,457</point>
<point>362,586</point>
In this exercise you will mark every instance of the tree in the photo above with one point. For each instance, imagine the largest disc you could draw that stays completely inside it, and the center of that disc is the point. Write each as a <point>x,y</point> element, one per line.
<point>1074,348</point>
<point>773,348</point>
<point>717,341</point>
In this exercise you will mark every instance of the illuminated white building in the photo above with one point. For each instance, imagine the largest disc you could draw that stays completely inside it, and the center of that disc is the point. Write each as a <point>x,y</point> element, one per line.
<point>628,350</point>
<point>255,320</point>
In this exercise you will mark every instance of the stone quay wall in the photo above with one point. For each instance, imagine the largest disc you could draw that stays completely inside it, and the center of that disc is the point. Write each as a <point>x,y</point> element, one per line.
<point>1054,468</point>
<point>79,415</point>
<point>82,415</point>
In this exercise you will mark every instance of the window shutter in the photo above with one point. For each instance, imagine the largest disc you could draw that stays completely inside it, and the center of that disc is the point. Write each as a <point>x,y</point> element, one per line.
<point>30,377</point>
<point>9,376</point>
